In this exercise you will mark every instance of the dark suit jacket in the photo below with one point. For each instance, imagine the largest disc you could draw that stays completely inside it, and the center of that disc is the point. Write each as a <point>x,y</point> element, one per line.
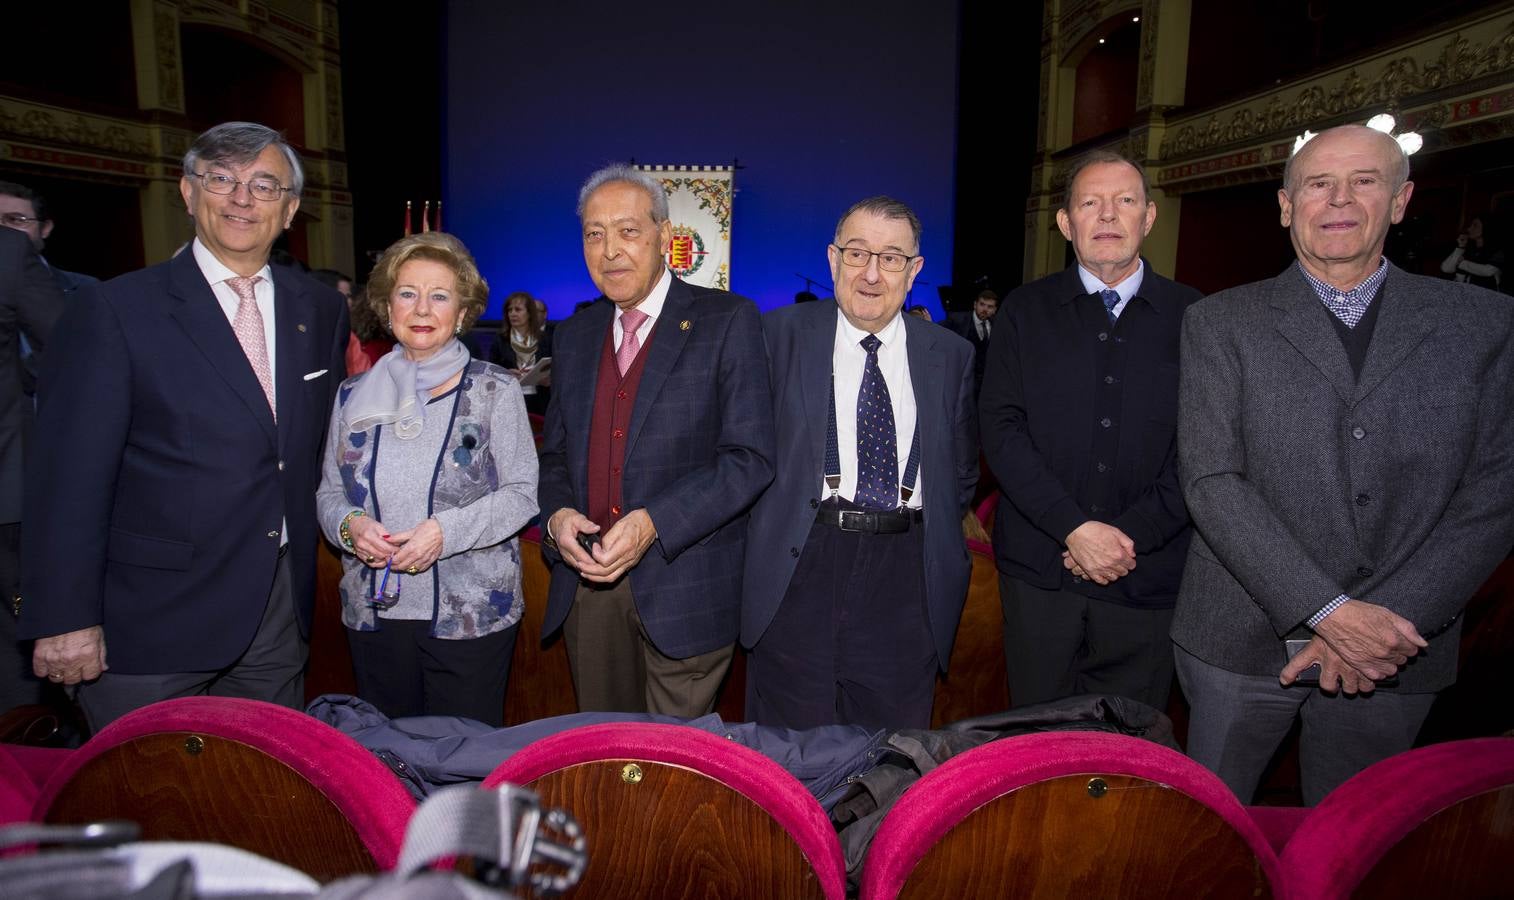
<point>154,502</point>
<point>68,284</point>
<point>1039,414</point>
<point>29,304</point>
<point>800,342</point>
<point>1304,482</point>
<point>699,451</point>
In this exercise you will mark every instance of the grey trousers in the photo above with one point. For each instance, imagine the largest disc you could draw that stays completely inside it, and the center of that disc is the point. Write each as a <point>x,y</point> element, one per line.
<point>1239,720</point>
<point>272,668</point>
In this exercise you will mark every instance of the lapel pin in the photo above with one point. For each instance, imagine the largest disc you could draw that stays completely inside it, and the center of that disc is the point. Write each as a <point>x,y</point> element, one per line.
<point>685,325</point>
<point>300,327</point>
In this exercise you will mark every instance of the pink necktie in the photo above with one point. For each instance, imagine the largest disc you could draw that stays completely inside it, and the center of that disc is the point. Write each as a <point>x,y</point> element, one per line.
<point>630,321</point>
<point>248,325</point>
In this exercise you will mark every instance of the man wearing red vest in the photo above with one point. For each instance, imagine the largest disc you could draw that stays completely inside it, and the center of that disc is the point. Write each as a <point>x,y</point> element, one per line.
<point>659,436</point>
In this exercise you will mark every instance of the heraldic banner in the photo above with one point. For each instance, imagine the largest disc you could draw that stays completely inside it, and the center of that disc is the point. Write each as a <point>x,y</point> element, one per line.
<point>699,205</point>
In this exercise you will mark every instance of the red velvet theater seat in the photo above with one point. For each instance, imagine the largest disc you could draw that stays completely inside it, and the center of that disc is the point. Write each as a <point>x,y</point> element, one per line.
<point>1070,814</point>
<point>671,811</point>
<point>1432,822</point>
<point>248,774</point>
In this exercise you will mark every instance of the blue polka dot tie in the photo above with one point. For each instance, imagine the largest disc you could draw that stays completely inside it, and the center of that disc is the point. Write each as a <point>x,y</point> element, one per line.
<point>1111,300</point>
<point>877,450</point>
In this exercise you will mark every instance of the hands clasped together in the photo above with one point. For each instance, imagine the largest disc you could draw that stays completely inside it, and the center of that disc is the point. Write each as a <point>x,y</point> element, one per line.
<point>1357,645</point>
<point>410,552</point>
<point>621,547</point>
<point>1099,552</point>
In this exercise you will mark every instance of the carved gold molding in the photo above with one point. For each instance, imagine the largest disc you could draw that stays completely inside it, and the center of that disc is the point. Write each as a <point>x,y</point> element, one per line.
<point>68,128</point>
<point>1389,80</point>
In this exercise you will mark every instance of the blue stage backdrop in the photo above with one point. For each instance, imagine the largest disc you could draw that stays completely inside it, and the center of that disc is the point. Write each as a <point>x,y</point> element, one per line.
<point>822,103</point>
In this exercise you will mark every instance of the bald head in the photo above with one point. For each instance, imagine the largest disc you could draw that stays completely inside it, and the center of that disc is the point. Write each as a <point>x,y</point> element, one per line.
<point>1394,156</point>
<point>1341,194</point>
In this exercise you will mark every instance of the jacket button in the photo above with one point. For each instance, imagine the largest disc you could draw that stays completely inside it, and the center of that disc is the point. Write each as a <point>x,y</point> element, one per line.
<point>281,465</point>
<point>1364,572</point>
<point>617,433</point>
<point>1103,335</point>
<point>1362,499</point>
<point>1102,468</point>
<point>1109,379</point>
<point>615,510</point>
<point>814,504</point>
<point>1358,432</point>
<point>1105,422</point>
<point>794,552</point>
<point>620,395</point>
<point>273,534</point>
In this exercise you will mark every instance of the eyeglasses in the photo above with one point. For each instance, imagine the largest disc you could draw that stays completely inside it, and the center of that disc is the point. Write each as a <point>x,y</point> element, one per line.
<point>261,188</point>
<point>888,260</point>
<point>16,220</point>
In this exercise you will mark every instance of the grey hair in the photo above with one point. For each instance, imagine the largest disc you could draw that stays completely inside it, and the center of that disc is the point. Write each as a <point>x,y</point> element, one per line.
<point>884,207</point>
<point>626,174</point>
<point>1098,157</point>
<point>1400,172</point>
<point>239,143</point>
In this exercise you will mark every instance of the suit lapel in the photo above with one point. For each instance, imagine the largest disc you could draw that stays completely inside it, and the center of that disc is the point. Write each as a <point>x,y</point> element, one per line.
<point>204,323</point>
<point>926,376</point>
<point>292,312</point>
<point>662,355</point>
<point>817,340</point>
<point>1400,328</point>
<point>1304,325</point>
<point>578,350</point>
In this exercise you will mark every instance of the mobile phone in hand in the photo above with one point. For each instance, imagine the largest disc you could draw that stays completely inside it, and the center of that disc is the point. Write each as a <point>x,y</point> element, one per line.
<point>587,540</point>
<point>1309,675</point>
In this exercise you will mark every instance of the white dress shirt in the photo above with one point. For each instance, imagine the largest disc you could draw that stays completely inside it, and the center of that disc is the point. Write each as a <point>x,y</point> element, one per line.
<point>652,306</point>
<point>847,361</point>
<point>1126,289</point>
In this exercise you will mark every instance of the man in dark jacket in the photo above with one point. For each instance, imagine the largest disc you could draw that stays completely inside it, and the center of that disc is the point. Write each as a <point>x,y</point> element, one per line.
<point>1079,412</point>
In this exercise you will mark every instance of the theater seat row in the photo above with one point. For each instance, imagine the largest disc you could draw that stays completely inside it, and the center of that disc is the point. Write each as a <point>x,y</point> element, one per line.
<point>672,811</point>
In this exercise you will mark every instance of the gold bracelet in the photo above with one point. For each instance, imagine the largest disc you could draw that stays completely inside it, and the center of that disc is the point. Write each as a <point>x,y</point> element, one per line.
<point>344,531</point>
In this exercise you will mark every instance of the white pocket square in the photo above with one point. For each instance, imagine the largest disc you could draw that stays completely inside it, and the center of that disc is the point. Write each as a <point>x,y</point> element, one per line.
<point>314,375</point>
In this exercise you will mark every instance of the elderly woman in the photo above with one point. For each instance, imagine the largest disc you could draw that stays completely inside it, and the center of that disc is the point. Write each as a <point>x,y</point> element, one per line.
<point>524,343</point>
<point>430,471</point>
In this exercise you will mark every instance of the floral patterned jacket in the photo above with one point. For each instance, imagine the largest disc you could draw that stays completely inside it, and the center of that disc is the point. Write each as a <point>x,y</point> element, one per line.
<point>482,495</point>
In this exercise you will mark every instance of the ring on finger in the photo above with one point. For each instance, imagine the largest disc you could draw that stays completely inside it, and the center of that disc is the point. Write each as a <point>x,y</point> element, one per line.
<point>412,570</point>
<point>369,558</point>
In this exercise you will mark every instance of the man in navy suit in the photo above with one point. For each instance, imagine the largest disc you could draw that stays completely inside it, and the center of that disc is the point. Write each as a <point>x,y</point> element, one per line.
<point>659,435</point>
<point>856,568</point>
<point>169,508</point>
<point>29,305</point>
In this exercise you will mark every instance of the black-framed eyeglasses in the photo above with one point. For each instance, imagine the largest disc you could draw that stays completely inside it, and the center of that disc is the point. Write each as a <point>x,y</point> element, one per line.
<point>888,260</point>
<point>261,188</point>
<point>16,220</point>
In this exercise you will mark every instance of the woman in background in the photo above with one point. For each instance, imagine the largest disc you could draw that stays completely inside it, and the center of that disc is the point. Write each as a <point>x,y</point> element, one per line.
<point>524,343</point>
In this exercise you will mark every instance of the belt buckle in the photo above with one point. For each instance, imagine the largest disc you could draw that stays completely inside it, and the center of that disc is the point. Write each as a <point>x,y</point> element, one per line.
<point>858,520</point>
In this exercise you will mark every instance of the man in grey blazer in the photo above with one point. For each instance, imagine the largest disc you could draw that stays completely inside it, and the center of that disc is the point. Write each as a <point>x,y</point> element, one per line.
<point>1345,450</point>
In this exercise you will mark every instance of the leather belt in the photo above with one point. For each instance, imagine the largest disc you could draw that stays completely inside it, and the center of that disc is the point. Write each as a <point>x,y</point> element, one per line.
<point>889,521</point>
